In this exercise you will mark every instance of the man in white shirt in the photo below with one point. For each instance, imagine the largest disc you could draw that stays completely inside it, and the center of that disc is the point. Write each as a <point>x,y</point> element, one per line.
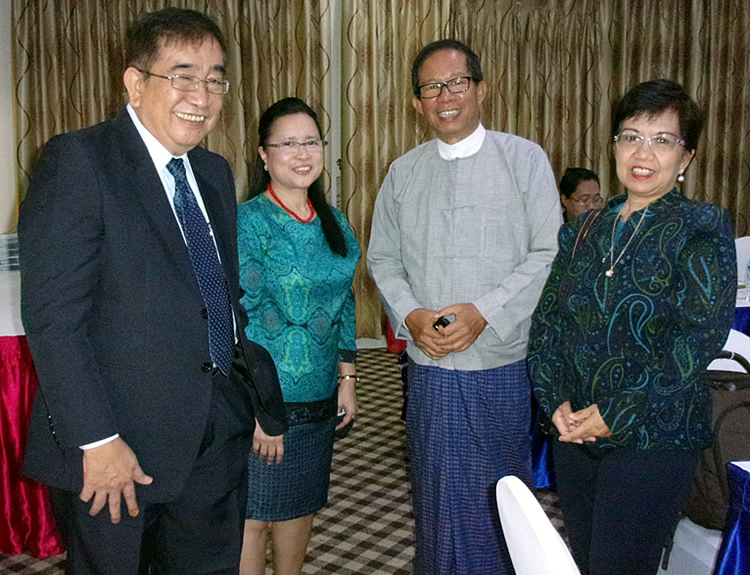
<point>149,390</point>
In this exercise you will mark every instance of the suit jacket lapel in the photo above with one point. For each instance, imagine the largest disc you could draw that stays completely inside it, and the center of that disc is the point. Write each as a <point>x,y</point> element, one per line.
<point>144,182</point>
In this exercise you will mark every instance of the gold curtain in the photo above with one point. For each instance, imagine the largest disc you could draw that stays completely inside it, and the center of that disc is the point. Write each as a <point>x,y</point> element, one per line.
<point>280,48</point>
<point>378,123</point>
<point>555,69</point>
<point>69,60</point>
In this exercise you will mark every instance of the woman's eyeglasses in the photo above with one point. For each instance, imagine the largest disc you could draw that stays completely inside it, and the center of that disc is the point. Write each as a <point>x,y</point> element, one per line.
<point>311,146</point>
<point>631,141</point>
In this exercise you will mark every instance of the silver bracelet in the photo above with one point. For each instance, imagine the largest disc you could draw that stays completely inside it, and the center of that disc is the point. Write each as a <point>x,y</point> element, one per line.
<point>345,377</point>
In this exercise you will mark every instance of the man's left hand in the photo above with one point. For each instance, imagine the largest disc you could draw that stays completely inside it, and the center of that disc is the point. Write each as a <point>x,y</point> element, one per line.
<point>465,328</point>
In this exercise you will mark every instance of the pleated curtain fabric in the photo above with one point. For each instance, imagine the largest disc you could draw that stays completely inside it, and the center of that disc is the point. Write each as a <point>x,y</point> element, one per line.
<point>554,69</point>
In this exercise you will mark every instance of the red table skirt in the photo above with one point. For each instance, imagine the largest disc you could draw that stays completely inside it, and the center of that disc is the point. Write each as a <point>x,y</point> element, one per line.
<point>393,344</point>
<point>26,523</point>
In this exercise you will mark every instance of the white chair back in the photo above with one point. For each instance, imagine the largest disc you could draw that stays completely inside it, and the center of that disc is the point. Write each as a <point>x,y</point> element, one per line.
<point>742,246</point>
<point>737,342</point>
<point>535,546</point>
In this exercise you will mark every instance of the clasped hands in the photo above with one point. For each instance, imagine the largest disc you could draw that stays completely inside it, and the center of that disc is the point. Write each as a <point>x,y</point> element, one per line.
<point>578,426</point>
<point>456,337</point>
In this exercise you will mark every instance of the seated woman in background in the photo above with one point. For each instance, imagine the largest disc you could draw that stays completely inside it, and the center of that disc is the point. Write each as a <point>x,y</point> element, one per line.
<point>297,258</point>
<point>635,308</point>
<point>579,192</point>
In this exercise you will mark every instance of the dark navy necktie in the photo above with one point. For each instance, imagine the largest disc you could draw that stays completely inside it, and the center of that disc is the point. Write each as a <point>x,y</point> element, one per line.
<point>208,270</point>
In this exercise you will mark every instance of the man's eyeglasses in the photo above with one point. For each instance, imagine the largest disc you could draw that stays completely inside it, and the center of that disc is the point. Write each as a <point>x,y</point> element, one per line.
<point>186,83</point>
<point>631,141</point>
<point>454,86</point>
<point>311,146</point>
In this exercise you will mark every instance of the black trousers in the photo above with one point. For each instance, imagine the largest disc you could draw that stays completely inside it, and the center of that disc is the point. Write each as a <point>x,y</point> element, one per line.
<point>620,505</point>
<point>200,532</point>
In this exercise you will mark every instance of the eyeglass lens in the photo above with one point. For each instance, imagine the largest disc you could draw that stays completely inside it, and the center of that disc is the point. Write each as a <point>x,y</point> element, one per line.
<point>312,146</point>
<point>659,142</point>
<point>191,83</point>
<point>590,201</point>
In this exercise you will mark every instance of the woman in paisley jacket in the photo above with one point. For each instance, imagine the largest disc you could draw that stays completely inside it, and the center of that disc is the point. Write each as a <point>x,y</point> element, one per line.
<point>297,259</point>
<point>639,300</point>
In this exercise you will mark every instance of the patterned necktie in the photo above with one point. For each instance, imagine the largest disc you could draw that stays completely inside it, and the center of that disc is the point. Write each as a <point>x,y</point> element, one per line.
<point>208,270</point>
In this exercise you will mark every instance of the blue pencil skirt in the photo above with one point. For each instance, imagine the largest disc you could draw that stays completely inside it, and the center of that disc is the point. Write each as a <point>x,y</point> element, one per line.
<point>465,430</point>
<point>297,486</point>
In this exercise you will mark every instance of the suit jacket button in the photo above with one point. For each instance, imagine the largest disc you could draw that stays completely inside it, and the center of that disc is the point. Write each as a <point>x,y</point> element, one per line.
<point>207,366</point>
<point>204,313</point>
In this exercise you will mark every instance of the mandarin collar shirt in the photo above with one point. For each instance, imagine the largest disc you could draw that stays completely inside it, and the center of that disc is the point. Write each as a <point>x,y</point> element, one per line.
<point>463,149</point>
<point>478,227</point>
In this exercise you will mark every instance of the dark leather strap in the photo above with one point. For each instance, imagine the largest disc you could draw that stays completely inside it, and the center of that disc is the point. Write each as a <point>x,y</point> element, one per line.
<point>592,215</point>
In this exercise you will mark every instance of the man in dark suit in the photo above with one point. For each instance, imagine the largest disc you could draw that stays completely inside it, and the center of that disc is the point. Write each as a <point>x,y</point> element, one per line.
<point>149,390</point>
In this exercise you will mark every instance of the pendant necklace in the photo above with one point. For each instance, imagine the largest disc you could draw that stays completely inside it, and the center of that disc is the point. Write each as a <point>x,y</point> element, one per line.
<point>290,212</point>
<point>612,261</point>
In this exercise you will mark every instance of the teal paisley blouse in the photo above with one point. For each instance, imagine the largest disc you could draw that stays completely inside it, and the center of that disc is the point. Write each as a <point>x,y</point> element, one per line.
<point>298,296</point>
<point>637,343</point>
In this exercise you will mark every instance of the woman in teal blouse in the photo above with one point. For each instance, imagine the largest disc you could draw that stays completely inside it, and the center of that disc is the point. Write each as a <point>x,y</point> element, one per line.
<point>639,300</point>
<point>297,260</point>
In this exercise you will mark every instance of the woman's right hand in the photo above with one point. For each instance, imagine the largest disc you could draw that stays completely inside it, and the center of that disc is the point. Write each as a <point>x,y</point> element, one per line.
<point>562,420</point>
<point>268,447</point>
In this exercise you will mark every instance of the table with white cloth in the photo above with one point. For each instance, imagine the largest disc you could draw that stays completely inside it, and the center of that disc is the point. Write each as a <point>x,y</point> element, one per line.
<point>26,523</point>
<point>742,315</point>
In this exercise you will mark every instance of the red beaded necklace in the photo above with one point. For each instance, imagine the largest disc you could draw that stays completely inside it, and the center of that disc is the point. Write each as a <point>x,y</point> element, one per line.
<point>290,212</point>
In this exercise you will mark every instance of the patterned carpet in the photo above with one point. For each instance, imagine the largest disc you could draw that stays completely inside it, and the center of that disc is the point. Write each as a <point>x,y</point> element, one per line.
<point>367,527</point>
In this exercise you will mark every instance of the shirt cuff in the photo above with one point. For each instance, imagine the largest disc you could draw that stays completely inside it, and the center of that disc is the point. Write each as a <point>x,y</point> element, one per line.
<point>100,442</point>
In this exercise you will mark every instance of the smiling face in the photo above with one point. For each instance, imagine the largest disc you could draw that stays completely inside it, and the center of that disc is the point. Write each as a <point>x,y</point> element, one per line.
<point>452,117</point>
<point>646,174</point>
<point>178,120</point>
<point>292,171</point>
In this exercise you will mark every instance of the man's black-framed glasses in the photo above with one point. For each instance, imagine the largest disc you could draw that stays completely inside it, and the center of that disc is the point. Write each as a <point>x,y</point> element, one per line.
<point>187,83</point>
<point>454,86</point>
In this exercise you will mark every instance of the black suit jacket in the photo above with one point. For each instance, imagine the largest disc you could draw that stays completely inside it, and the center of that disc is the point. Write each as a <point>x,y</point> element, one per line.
<point>113,312</point>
